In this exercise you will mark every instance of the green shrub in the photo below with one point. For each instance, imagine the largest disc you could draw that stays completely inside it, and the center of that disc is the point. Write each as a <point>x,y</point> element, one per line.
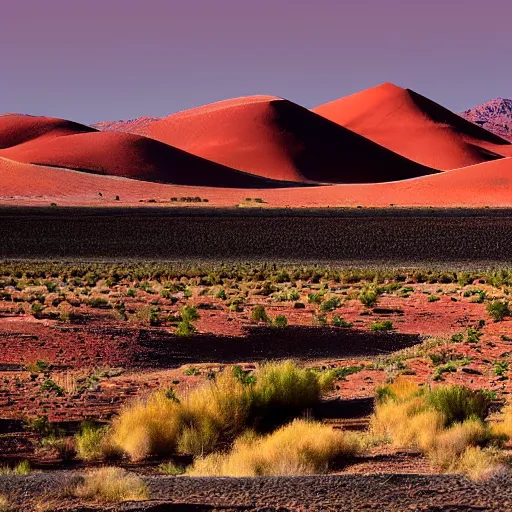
<point>343,372</point>
<point>185,328</point>
<point>221,294</point>
<point>498,310</point>
<point>50,385</point>
<point>433,298</point>
<point>258,314</point>
<point>386,325</point>
<point>368,296</point>
<point>171,469</point>
<point>338,321</point>
<point>330,304</point>
<point>280,321</point>
<point>90,441</point>
<point>189,313</point>
<point>99,302</point>
<point>458,403</point>
<point>316,298</point>
<point>22,469</point>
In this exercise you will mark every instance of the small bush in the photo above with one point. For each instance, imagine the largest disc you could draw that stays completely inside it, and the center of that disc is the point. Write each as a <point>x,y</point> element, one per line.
<point>189,313</point>
<point>258,314</point>
<point>338,321</point>
<point>50,385</point>
<point>368,296</point>
<point>316,298</point>
<point>344,371</point>
<point>22,469</point>
<point>458,403</point>
<point>111,485</point>
<point>280,321</point>
<point>300,448</point>
<point>386,325</point>
<point>330,304</point>
<point>171,469</point>
<point>185,328</point>
<point>92,442</point>
<point>498,310</point>
<point>99,302</point>
<point>433,298</point>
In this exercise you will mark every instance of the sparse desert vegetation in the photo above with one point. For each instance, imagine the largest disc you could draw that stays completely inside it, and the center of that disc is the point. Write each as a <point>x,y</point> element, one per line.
<point>165,368</point>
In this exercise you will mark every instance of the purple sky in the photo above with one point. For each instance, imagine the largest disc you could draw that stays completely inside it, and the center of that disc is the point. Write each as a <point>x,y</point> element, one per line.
<point>119,59</point>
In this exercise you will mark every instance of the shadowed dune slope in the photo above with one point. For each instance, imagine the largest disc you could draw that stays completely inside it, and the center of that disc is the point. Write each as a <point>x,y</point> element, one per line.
<point>415,127</point>
<point>17,129</point>
<point>131,156</point>
<point>277,139</point>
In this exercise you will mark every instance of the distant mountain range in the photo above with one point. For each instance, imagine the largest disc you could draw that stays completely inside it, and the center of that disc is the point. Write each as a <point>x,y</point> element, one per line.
<point>494,115</point>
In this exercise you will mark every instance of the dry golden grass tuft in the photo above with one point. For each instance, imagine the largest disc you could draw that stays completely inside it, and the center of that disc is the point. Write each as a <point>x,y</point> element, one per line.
<point>147,427</point>
<point>4,503</point>
<point>447,424</point>
<point>300,448</point>
<point>218,410</point>
<point>21,469</point>
<point>480,464</point>
<point>111,485</point>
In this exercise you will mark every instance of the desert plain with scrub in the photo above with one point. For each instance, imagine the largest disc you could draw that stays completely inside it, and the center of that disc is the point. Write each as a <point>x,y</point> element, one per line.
<point>256,306</point>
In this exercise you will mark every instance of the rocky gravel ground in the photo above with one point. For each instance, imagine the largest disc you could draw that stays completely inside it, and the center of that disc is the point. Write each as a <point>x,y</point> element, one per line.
<point>425,493</point>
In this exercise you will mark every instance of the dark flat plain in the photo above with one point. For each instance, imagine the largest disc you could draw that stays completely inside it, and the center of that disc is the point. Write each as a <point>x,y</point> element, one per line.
<point>347,236</point>
<point>355,493</point>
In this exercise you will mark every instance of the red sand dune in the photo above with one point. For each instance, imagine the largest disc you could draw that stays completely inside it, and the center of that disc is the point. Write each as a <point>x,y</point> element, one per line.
<point>415,127</point>
<point>131,156</point>
<point>18,128</point>
<point>487,184</point>
<point>275,138</point>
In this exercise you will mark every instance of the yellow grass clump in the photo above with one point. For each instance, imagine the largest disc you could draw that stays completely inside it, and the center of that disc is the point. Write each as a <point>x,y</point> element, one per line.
<point>218,410</point>
<point>147,427</point>
<point>447,424</point>
<point>481,463</point>
<point>111,485</point>
<point>503,424</point>
<point>21,469</point>
<point>4,503</point>
<point>300,448</point>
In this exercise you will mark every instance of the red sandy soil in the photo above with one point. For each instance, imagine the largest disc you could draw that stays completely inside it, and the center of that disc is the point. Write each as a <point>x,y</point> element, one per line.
<point>130,156</point>
<point>415,127</point>
<point>488,184</point>
<point>275,138</point>
<point>112,349</point>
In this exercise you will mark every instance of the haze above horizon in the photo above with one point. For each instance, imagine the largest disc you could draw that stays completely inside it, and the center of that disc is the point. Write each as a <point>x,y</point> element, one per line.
<point>122,59</point>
